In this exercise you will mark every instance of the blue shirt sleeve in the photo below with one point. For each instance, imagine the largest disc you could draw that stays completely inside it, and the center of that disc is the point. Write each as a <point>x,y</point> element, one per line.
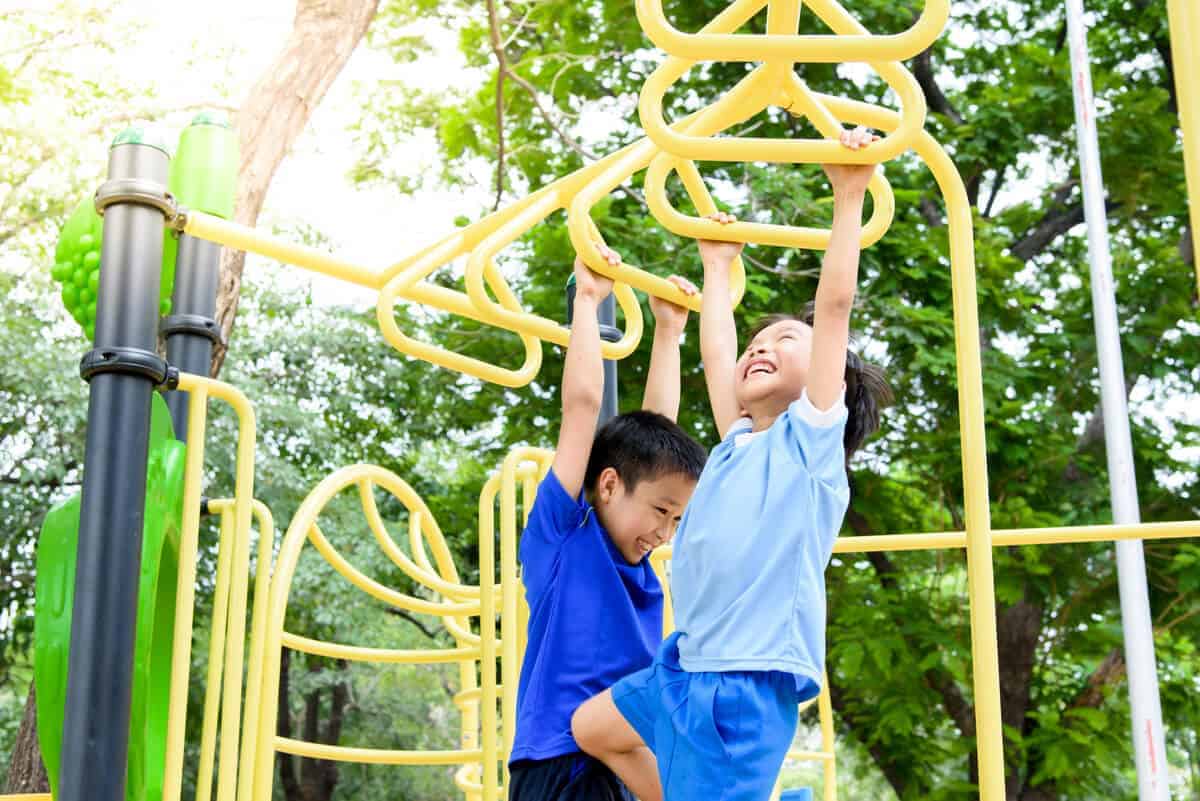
<point>554,516</point>
<point>818,436</point>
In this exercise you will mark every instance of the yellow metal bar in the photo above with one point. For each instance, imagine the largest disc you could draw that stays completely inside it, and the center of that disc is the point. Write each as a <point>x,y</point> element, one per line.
<point>374,756</point>
<point>407,283</point>
<point>251,707</point>
<point>810,756</point>
<point>726,46</point>
<point>27,797</point>
<point>985,660</point>
<point>769,85</point>
<point>508,590</point>
<point>391,655</point>
<point>374,588</point>
<point>185,588</point>
<point>825,711</point>
<point>949,540</point>
<point>487,634</point>
<point>216,656</point>
<point>240,237</point>
<point>404,493</point>
<point>481,265</point>
<point>1183,19</point>
<point>236,628</point>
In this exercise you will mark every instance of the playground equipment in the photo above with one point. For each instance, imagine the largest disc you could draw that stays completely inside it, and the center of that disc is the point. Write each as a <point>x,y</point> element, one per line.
<point>125,370</point>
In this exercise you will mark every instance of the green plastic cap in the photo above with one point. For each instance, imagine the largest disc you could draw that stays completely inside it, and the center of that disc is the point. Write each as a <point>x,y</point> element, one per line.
<point>142,135</point>
<point>204,171</point>
<point>218,118</point>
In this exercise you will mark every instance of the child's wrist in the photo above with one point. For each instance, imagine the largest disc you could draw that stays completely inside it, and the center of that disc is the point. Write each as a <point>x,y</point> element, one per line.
<point>846,197</point>
<point>669,330</point>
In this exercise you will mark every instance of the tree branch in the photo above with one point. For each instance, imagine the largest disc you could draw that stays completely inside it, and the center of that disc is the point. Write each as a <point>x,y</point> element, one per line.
<point>1056,221</point>
<point>406,615</point>
<point>884,760</point>
<point>501,73</point>
<point>955,703</point>
<point>934,97</point>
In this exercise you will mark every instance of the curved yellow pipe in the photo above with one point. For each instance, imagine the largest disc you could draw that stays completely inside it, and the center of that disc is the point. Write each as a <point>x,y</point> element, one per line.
<point>726,46</point>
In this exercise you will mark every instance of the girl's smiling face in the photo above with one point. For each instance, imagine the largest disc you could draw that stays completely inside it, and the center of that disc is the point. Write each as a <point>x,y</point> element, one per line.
<point>773,370</point>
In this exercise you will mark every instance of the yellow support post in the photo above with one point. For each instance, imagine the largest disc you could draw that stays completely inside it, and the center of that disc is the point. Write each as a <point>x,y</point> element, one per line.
<point>1183,19</point>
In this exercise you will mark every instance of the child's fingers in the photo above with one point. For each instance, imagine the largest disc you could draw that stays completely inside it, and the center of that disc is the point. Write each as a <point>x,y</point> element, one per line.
<point>610,255</point>
<point>685,286</point>
<point>857,138</point>
<point>724,218</point>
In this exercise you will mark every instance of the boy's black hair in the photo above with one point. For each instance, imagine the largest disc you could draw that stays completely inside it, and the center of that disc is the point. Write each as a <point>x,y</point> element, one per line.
<point>867,389</point>
<point>643,445</point>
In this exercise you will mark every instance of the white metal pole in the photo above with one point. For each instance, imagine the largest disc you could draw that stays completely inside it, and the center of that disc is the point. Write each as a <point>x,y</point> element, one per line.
<point>1149,746</point>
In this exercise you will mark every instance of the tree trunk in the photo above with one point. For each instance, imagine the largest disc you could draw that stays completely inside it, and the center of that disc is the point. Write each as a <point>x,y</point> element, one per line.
<point>312,779</point>
<point>323,36</point>
<point>26,773</point>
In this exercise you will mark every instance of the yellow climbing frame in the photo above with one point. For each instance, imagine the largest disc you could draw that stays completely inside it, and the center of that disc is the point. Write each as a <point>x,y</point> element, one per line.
<point>238,738</point>
<point>674,147</point>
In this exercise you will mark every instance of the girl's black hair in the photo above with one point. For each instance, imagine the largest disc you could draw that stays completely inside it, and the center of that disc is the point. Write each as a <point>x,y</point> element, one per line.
<point>867,389</point>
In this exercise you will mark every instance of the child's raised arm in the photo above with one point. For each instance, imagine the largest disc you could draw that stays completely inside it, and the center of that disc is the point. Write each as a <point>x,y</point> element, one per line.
<point>662,379</point>
<point>718,335</point>
<point>839,275</point>
<point>583,378</point>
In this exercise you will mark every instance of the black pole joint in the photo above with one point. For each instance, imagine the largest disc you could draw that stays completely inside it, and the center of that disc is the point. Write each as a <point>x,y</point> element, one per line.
<point>127,361</point>
<point>195,324</point>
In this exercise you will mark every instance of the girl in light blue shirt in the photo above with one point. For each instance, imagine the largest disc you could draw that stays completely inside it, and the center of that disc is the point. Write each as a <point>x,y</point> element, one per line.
<point>718,707</point>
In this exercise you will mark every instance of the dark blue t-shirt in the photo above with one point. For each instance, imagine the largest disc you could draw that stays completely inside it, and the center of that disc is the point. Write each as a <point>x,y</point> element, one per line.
<point>593,619</point>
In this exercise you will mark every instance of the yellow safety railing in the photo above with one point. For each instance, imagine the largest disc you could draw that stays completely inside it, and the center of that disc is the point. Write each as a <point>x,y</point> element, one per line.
<point>228,639</point>
<point>456,604</point>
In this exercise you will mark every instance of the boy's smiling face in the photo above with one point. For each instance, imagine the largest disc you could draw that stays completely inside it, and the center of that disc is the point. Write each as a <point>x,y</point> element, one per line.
<point>641,518</point>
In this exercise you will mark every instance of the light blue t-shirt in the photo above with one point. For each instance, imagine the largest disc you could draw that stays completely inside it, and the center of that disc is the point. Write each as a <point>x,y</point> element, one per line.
<point>748,573</point>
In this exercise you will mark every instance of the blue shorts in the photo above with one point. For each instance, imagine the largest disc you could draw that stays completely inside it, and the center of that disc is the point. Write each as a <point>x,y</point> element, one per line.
<point>717,736</point>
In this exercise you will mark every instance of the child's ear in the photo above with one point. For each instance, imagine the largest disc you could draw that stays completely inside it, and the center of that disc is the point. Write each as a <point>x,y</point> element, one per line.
<point>607,483</point>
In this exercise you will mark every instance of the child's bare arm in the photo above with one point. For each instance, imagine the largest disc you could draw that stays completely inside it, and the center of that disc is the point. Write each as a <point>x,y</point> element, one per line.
<point>839,275</point>
<point>718,335</point>
<point>662,379</point>
<point>583,379</point>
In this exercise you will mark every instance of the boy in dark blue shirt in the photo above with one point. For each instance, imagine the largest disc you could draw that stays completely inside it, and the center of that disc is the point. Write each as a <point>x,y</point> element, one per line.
<point>596,606</point>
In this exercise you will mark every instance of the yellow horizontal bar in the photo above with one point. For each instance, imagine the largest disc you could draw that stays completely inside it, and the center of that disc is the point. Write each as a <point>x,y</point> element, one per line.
<point>1062,535</point>
<point>808,48</point>
<point>27,797</point>
<point>810,756</point>
<point>241,237</point>
<point>474,694</point>
<point>375,756</point>
<point>360,653</point>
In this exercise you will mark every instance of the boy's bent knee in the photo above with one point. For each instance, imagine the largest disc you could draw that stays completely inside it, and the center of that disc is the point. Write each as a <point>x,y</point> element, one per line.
<point>600,729</point>
<point>584,728</point>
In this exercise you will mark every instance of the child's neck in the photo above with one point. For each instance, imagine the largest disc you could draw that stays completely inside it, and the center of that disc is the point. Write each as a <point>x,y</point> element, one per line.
<point>766,411</point>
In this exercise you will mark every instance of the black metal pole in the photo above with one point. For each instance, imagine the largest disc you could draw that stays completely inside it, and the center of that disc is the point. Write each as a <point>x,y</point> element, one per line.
<point>124,370</point>
<point>191,330</point>
<point>607,315</point>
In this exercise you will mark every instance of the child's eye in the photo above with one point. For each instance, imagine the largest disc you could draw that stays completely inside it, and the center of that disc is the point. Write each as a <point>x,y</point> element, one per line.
<point>660,510</point>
